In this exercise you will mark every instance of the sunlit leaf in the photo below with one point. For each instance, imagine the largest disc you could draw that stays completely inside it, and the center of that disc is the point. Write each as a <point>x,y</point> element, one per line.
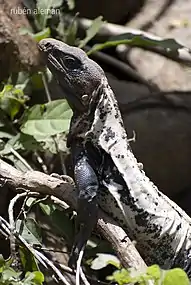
<point>45,33</point>
<point>27,259</point>
<point>35,277</point>
<point>175,276</point>
<point>46,9</point>
<point>43,121</point>
<point>170,46</point>
<point>104,259</point>
<point>11,100</point>
<point>92,31</point>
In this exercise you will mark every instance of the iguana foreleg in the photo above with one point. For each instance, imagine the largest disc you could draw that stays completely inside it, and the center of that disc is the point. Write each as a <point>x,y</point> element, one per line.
<point>87,186</point>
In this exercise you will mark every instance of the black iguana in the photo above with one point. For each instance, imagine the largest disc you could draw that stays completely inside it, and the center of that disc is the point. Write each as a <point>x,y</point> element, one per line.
<point>106,171</point>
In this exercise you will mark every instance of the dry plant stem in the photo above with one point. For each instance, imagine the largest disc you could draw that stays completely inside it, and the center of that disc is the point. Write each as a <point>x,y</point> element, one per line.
<point>78,266</point>
<point>3,233</point>
<point>36,181</point>
<point>59,202</point>
<point>41,162</point>
<point>17,155</point>
<point>6,227</point>
<point>54,268</point>
<point>69,270</point>
<point>44,80</point>
<point>83,277</point>
<point>107,30</point>
<point>12,225</point>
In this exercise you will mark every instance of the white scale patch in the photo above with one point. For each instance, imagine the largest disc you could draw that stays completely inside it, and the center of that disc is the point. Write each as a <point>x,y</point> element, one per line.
<point>114,188</point>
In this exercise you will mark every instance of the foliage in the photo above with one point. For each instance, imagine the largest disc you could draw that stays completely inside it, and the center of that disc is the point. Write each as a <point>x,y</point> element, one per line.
<point>31,130</point>
<point>169,46</point>
<point>8,276</point>
<point>92,31</point>
<point>11,100</point>
<point>154,273</point>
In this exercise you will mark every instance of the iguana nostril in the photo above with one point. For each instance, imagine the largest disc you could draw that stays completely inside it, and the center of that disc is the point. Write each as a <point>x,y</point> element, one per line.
<point>44,45</point>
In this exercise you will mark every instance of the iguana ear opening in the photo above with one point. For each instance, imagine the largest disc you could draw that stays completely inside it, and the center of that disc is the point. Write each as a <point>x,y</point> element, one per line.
<point>85,98</point>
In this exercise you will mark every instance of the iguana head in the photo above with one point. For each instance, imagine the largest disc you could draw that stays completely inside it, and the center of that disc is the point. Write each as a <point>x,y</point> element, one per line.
<point>74,71</point>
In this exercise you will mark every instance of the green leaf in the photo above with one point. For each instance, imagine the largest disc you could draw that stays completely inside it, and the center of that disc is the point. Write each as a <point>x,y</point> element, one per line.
<point>154,271</point>
<point>11,100</point>
<point>27,259</point>
<point>18,143</point>
<point>48,4</point>
<point>5,135</point>
<point>140,40</point>
<point>43,121</point>
<point>70,34</point>
<point>46,9</point>
<point>120,276</point>
<point>31,201</point>
<point>36,277</point>
<point>92,31</point>
<point>29,230</point>
<point>63,224</point>
<point>55,144</point>
<point>36,80</point>
<point>48,209</point>
<point>34,228</point>
<point>25,31</point>
<point>104,259</point>
<point>71,4</point>
<point>45,33</point>
<point>175,276</point>
<point>27,142</point>
<point>11,143</point>
<point>2,261</point>
<point>19,80</point>
<point>10,274</point>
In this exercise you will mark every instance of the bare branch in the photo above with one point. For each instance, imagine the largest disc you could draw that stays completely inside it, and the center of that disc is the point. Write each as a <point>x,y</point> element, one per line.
<point>36,181</point>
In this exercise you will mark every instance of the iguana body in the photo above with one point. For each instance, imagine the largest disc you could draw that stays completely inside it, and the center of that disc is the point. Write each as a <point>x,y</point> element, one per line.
<point>106,171</point>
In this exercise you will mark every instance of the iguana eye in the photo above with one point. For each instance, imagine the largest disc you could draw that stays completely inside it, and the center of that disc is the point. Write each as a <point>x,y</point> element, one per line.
<point>70,62</point>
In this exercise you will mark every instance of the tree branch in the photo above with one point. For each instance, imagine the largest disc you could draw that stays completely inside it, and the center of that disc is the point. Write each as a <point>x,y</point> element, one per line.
<point>39,182</point>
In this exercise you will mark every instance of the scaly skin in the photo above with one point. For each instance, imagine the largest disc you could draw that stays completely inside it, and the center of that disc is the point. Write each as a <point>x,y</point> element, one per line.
<point>100,148</point>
